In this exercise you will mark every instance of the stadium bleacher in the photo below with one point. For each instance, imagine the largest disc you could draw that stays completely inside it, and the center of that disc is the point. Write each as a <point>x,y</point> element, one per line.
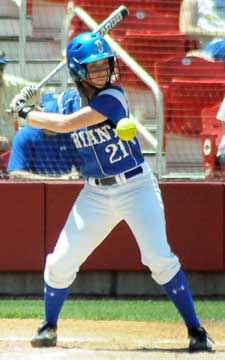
<point>190,84</point>
<point>150,34</point>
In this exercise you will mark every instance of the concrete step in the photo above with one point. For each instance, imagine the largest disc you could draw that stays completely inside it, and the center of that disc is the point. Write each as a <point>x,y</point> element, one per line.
<point>35,48</point>
<point>10,26</point>
<point>55,34</point>
<point>8,8</point>
<point>36,70</point>
<point>48,18</point>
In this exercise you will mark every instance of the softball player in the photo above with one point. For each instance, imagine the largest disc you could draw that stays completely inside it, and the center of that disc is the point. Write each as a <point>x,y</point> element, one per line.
<point>119,185</point>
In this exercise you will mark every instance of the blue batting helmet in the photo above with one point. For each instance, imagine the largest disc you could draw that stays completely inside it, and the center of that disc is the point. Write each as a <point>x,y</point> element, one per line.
<point>83,49</point>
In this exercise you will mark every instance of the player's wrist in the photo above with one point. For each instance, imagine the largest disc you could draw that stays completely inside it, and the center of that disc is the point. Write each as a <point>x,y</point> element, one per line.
<point>25,111</point>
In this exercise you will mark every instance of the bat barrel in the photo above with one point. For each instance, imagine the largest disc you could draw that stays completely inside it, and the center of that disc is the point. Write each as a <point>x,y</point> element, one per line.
<point>109,23</point>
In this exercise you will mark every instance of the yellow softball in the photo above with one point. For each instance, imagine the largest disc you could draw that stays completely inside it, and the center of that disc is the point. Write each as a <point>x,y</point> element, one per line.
<point>126,129</point>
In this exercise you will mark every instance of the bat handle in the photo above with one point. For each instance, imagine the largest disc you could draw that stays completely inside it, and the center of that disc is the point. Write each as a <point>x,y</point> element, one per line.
<point>9,111</point>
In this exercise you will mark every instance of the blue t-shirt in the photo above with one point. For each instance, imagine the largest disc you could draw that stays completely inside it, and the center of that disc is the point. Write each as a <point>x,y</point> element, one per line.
<point>34,151</point>
<point>100,151</point>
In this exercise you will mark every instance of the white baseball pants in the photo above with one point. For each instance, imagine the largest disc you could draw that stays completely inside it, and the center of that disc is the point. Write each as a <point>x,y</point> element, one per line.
<point>97,210</point>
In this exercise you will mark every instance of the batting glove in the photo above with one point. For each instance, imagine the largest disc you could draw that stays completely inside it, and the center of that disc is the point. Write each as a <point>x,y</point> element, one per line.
<point>28,96</point>
<point>25,110</point>
<point>17,104</point>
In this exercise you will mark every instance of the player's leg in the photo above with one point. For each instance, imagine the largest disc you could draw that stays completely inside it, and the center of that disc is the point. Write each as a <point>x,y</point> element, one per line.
<point>89,222</point>
<point>148,225</point>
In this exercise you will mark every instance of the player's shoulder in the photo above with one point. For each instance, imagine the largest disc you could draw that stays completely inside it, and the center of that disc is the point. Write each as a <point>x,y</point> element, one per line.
<point>26,134</point>
<point>28,130</point>
<point>114,91</point>
<point>67,98</point>
<point>57,98</point>
<point>69,94</point>
<point>112,88</point>
<point>49,96</point>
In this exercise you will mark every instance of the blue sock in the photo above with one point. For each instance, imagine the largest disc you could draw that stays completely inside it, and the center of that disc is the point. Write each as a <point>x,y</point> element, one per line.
<point>178,291</point>
<point>54,300</point>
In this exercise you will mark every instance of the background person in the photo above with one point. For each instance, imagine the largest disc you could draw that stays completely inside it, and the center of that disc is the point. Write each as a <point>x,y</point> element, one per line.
<point>204,21</point>
<point>7,126</point>
<point>220,156</point>
<point>9,87</point>
<point>39,154</point>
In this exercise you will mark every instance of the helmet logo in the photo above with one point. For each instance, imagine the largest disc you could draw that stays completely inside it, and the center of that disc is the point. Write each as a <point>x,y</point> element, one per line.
<point>99,46</point>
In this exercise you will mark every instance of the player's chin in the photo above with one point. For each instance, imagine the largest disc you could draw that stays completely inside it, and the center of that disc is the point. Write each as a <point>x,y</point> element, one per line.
<point>99,84</point>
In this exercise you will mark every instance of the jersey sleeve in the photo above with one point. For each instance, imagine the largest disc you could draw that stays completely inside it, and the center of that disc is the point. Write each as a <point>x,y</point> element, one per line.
<point>60,102</point>
<point>111,102</point>
<point>21,152</point>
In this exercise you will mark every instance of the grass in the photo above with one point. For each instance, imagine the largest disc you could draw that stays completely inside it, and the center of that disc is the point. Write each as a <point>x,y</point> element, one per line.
<point>106,309</point>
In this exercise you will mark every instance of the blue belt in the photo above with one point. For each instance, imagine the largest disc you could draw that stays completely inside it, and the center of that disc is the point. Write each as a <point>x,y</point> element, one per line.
<point>112,179</point>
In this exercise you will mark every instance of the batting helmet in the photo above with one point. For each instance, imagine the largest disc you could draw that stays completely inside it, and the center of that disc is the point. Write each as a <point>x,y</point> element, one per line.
<point>83,49</point>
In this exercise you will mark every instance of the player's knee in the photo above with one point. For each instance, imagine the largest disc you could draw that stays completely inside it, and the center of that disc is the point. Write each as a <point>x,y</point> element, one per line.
<point>57,274</point>
<point>164,269</point>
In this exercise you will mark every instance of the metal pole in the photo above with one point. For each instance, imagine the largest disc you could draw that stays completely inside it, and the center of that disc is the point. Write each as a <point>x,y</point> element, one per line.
<point>22,36</point>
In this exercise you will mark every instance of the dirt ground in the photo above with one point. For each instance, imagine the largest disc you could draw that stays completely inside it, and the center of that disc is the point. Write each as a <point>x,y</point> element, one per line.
<point>108,340</point>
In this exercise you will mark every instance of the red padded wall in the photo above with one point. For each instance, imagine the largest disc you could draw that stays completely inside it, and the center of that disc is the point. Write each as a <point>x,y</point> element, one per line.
<point>59,200</point>
<point>22,226</point>
<point>33,214</point>
<point>195,226</point>
<point>195,223</point>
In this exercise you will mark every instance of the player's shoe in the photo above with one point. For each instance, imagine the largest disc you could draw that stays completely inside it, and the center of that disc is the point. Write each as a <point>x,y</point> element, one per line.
<point>199,340</point>
<point>45,336</point>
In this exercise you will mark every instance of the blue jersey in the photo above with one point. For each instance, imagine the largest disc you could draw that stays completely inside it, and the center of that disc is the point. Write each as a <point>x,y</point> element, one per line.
<point>101,152</point>
<point>39,153</point>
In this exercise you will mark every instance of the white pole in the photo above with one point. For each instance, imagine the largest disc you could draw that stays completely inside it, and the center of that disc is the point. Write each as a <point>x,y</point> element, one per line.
<point>22,36</point>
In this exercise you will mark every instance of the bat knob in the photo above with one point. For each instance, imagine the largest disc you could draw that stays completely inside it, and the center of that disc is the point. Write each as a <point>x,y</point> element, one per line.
<point>124,11</point>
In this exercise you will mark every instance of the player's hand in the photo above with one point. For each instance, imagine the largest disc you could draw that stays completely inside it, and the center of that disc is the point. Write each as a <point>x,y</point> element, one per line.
<point>30,94</point>
<point>25,111</point>
<point>17,104</point>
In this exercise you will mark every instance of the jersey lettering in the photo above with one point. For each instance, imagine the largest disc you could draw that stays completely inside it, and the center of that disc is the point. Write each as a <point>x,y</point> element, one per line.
<point>86,138</point>
<point>92,137</point>
<point>103,133</point>
<point>82,135</point>
<point>76,140</point>
<point>117,152</point>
